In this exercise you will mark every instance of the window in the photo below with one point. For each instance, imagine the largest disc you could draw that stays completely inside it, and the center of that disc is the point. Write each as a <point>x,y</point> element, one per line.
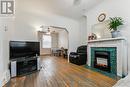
<point>46,41</point>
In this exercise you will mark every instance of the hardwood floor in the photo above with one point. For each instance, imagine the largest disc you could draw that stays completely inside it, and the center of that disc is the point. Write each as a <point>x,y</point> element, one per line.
<point>57,72</point>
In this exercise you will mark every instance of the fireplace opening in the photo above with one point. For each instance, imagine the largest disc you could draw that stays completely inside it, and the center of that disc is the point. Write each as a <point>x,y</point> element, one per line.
<point>102,61</point>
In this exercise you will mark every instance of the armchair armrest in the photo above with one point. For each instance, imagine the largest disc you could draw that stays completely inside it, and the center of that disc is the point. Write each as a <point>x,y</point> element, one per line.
<point>73,53</point>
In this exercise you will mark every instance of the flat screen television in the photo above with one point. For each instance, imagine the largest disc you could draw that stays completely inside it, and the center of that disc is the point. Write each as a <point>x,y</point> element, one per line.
<point>20,49</point>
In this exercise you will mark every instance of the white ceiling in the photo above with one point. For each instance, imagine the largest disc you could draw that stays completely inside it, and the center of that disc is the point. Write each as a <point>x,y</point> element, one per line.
<point>63,7</point>
<point>67,7</point>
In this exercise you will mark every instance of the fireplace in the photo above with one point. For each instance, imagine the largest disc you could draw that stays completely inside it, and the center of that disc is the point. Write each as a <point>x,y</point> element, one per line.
<point>102,61</point>
<point>117,47</point>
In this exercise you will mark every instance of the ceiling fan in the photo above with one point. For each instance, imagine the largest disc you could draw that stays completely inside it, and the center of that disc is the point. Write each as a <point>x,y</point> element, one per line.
<point>77,2</point>
<point>48,31</point>
<point>45,29</point>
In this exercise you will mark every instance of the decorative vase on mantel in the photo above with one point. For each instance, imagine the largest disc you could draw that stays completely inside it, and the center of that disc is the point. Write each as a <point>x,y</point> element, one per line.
<point>115,34</point>
<point>113,26</point>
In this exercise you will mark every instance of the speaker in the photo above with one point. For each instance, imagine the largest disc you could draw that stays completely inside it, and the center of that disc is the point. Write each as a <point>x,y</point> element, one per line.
<point>24,67</point>
<point>38,63</point>
<point>13,68</point>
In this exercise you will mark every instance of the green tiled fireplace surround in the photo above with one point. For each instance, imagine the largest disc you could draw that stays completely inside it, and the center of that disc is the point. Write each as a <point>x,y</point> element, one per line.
<point>113,55</point>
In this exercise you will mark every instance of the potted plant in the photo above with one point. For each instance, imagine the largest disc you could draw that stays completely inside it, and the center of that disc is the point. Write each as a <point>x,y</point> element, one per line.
<point>114,24</point>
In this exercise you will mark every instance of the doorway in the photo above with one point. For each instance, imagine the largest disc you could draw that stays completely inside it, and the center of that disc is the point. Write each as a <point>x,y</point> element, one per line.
<point>54,41</point>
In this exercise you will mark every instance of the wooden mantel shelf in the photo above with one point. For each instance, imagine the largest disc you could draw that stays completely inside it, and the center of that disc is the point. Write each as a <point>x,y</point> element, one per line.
<point>107,39</point>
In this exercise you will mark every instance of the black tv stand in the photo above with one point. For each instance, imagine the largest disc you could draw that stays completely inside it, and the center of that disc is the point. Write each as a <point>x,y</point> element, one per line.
<point>24,66</point>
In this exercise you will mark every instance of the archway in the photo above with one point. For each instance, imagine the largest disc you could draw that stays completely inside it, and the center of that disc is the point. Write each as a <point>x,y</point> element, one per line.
<point>59,41</point>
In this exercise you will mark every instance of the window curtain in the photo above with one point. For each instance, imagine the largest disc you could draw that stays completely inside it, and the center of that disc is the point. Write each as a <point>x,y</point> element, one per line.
<point>54,43</point>
<point>55,40</point>
<point>40,36</point>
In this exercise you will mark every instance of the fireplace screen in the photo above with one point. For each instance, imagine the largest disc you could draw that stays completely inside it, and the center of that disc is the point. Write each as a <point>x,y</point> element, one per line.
<point>102,60</point>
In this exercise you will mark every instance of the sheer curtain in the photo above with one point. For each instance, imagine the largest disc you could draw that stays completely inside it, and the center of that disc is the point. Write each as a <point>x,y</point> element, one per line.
<point>54,42</point>
<point>43,51</point>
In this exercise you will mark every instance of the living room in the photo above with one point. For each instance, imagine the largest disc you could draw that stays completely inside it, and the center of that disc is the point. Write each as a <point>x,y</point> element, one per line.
<point>80,18</point>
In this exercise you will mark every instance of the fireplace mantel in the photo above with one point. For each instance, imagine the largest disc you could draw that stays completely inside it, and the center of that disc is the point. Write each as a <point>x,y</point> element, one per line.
<point>121,44</point>
<point>107,39</point>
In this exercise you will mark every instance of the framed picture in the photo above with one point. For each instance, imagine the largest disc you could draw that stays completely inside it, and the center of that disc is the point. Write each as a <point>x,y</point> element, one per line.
<point>101,17</point>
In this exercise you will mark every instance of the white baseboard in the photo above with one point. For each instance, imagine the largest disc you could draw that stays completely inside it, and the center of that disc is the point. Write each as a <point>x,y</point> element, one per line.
<point>5,78</point>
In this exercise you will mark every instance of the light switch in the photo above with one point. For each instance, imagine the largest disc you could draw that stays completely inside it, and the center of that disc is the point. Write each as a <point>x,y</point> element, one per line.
<point>5,28</point>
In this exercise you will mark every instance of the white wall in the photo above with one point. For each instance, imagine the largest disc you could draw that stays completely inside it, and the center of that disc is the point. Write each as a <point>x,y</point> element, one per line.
<point>63,39</point>
<point>1,54</point>
<point>29,18</point>
<point>83,30</point>
<point>4,47</point>
<point>112,8</point>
